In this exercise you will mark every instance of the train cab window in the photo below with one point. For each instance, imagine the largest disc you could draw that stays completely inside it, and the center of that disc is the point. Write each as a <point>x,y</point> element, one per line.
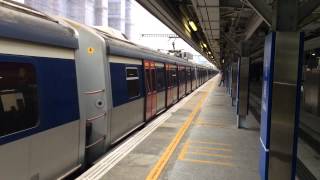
<point>174,77</point>
<point>18,97</point>
<point>132,82</point>
<point>160,78</point>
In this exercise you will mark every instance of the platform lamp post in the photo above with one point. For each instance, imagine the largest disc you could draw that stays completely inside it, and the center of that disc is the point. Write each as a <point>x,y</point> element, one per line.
<point>282,73</point>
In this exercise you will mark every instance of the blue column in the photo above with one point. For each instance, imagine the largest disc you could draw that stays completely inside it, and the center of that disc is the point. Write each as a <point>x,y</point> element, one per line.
<point>280,105</point>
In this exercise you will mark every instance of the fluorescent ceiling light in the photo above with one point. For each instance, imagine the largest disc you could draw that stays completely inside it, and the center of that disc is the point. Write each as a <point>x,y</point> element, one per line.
<point>193,26</point>
<point>204,45</point>
<point>187,27</point>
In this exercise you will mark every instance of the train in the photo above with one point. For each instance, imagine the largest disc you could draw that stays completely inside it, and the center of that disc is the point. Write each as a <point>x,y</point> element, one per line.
<point>69,92</point>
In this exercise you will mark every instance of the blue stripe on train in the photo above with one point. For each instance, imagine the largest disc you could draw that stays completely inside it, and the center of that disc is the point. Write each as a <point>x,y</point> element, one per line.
<point>119,83</point>
<point>57,91</point>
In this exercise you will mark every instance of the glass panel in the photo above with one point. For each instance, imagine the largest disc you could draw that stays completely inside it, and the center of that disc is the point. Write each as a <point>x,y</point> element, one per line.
<point>153,79</point>
<point>147,76</point>
<point>18,97</point>
<point>133,88</point>
<point>132,72</point>
<point>160,79</point>
<point>133,82</point>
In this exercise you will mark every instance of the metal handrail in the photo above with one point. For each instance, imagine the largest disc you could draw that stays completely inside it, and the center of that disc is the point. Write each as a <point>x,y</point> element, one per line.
<point>94,92</point>
<point>96,117</point>
<point>96,142</point>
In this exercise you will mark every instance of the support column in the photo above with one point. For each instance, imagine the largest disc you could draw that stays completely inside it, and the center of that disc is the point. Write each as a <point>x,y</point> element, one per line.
<point>228,79</point>
<point>280,104</point>
<point>234,82</point>
<point>243,85</point>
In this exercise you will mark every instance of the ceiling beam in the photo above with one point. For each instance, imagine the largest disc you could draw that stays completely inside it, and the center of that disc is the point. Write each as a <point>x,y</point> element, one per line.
<point>307,8</point>
<point>231,41</point>
<point>312,43</point>
<point>252,26</point>
<point>262,9</point>
<point>232,4</point>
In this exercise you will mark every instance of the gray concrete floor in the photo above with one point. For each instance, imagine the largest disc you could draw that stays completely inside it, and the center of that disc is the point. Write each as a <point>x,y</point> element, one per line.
<point>212,147</point>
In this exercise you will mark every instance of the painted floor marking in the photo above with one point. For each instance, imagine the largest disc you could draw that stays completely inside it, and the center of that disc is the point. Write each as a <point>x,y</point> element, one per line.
<point>160,165</point>
<point>213,148</point>
<point>210,162</point>
<point>208,142</point>
<point>210,148</point>
<point>209,154</point>
<point>202,123</point>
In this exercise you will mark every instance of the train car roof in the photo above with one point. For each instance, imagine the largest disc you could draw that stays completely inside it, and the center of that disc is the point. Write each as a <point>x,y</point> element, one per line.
<point>120,46</point>
<point>23,23</point>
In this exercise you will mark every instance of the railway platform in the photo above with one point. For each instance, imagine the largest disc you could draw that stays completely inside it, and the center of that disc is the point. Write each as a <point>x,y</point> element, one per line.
<point>196,139</point>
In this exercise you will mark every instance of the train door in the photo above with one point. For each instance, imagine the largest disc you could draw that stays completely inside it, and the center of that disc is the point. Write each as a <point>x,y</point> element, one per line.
<point>189,80</point>
<point>174,81</point>
<point>150,88</point>
<point>197,77</point>
<point>160,87</point>
<point>169,97</point>
<point>193,77</point>
<point>182,81</point>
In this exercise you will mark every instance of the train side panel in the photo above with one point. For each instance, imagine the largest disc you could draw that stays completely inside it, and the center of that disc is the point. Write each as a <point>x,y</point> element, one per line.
<point>39,111</point>
<point>128,96</point>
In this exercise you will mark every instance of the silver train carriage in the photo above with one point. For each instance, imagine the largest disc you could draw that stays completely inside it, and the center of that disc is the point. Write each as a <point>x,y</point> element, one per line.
<point>68,92</point>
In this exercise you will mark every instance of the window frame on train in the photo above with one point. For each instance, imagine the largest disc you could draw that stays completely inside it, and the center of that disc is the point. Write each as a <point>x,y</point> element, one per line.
<point>133,78</point>
<point>23,88</point>
<point>160,78</point>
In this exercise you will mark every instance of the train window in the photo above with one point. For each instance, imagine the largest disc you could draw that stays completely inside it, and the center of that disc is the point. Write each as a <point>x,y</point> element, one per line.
<point>168,75</point>
<point>160,78</point>
<point>147,80</point>
<point>18,97</point>
<point>132,82</point>
<point>174,77</point>
<point>153,79</point>
<point>182,75</point>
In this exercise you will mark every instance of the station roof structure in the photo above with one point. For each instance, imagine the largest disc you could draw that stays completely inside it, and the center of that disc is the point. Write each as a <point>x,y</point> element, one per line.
<point>216,28</point>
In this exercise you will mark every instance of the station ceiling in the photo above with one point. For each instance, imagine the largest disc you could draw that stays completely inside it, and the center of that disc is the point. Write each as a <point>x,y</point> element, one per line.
<point>216,28</point>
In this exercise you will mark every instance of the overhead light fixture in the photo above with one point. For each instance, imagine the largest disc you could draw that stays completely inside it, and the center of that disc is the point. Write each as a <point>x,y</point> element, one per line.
<point>1,77</point>
<point>222,61</point>
<point>204,45</point>
<point>212,57</point>
<point>201,45</point>
<point>313,54</point>
<point>209,52</point>
<point>193,26</point>
<point>187,27</point>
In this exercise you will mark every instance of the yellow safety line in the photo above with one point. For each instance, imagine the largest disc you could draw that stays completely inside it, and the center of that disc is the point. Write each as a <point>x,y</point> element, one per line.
<point>208,142</point>
<point>210,148</point>
<point>210,162</point>
<point>159,166</point>
<point>209,154</point>
<point>183,151</point>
